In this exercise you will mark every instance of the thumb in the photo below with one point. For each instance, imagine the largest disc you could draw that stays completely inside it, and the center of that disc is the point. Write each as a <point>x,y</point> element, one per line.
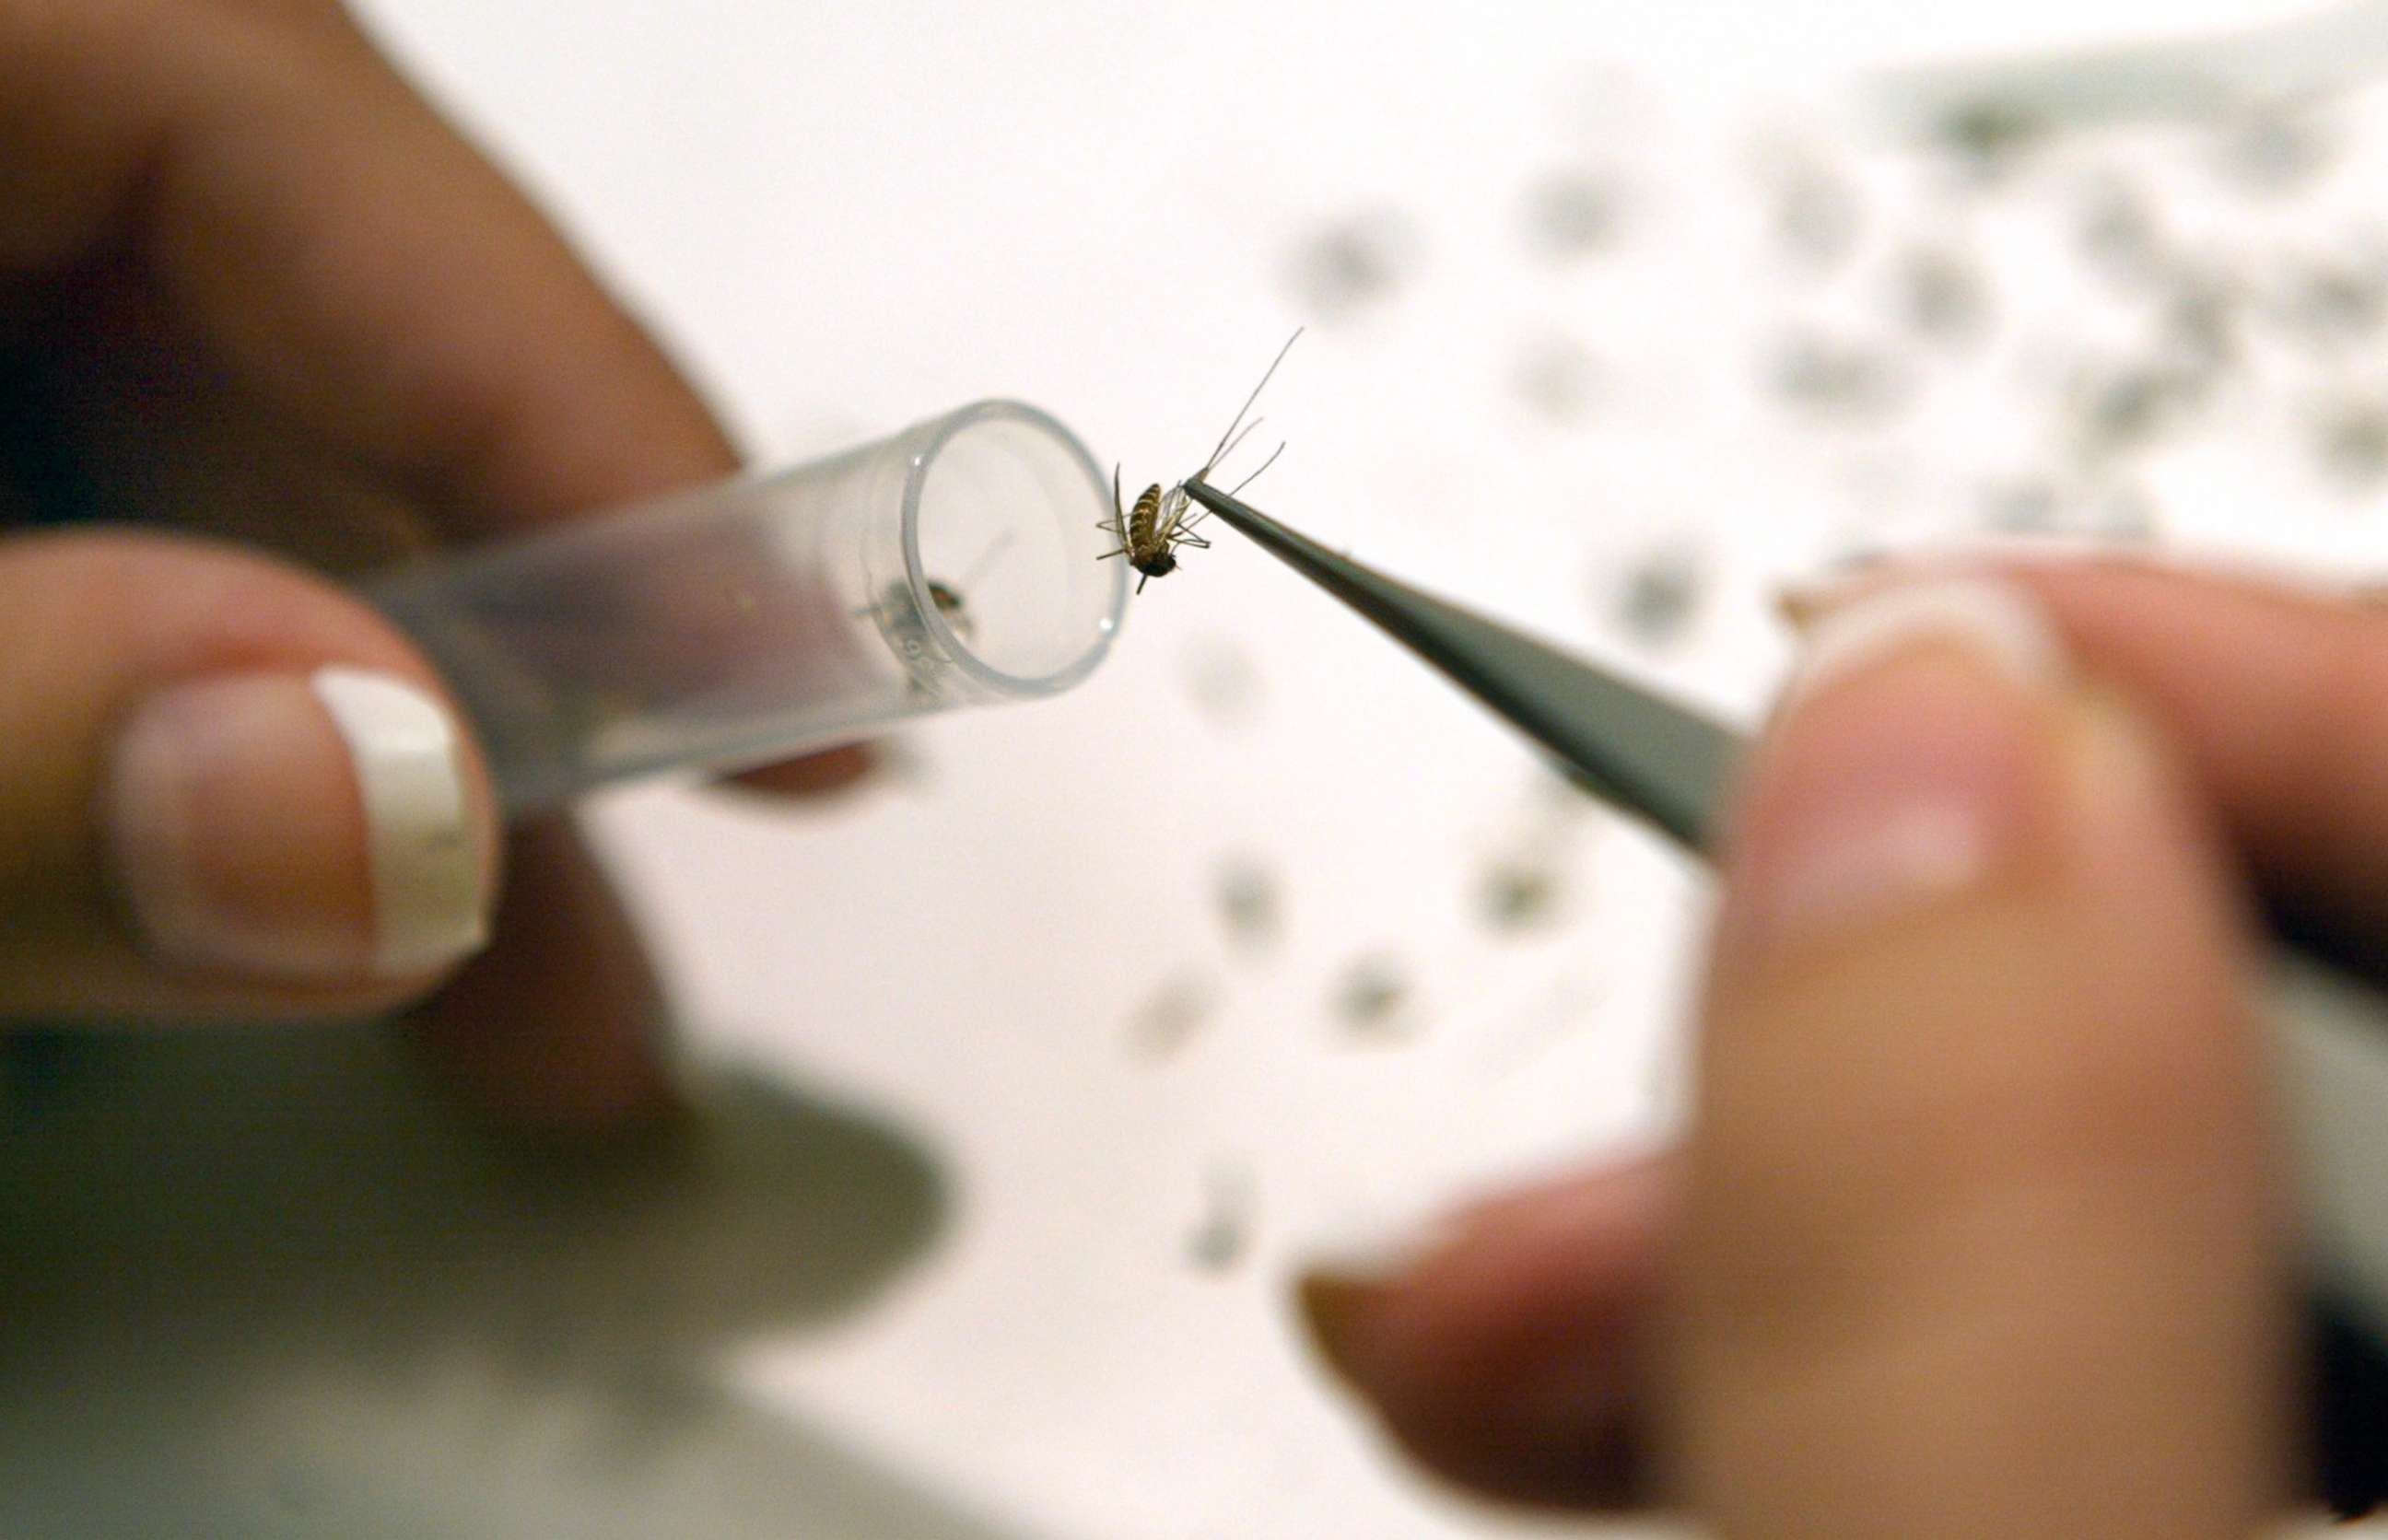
<point>230,790</point>
<point>1980,1234</point>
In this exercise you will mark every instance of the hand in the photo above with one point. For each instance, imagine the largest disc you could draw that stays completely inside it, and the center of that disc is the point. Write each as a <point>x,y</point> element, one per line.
<point>1981,1227</point>
<point>252,286</point>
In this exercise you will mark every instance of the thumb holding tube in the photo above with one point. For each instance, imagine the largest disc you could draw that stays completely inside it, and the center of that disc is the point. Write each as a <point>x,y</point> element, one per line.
<point>232,790</point>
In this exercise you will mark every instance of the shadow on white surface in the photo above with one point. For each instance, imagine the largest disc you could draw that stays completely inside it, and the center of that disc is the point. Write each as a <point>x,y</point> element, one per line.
<point>258,1283</point>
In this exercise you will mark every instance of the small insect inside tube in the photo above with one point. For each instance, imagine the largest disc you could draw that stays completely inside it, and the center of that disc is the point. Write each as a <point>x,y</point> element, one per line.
<point>901,620</point>
<point>1150,533</point>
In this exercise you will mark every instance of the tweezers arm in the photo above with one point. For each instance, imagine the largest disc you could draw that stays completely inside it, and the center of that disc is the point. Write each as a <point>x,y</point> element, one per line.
<point>1633,750</point>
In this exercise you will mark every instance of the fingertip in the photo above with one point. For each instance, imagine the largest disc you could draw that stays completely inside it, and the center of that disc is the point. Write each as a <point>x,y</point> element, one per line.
<point>1335,1309</point>
<point>561,1026</point>
<point>240,792</point>
<point>1508,1353</point>
<point>828,773</point>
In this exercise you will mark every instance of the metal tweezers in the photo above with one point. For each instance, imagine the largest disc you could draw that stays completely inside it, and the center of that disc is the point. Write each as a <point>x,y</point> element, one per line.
<point>1671,767</point>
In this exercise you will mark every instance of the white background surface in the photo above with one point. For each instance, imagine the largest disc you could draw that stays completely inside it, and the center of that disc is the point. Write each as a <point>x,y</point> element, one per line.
<point>846,218</point>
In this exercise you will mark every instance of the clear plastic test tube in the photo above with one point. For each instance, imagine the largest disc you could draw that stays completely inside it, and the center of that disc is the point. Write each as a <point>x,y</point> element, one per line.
<point>955,563</point>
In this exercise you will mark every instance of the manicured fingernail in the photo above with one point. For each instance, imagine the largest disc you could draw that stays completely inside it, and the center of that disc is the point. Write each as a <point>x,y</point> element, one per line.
<point>1914,757</point>
<point>310,828</point>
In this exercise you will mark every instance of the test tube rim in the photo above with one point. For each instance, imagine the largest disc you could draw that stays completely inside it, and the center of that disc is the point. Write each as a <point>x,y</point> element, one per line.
<point>949,641</point>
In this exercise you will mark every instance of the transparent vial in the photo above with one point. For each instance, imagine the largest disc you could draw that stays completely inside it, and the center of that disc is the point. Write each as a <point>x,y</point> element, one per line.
<point>955,563</point>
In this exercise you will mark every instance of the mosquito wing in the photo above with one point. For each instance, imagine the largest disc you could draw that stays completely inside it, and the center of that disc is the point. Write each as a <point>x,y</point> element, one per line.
<point>1173,503</point>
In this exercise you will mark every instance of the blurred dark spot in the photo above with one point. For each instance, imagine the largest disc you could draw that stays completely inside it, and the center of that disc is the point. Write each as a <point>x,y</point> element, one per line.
<point>2277,149</point>
<point>1829,376</point>
<point>1574,213</point>
<point>1660,594</point>
<point>1168,1021</point>
<point>1817,216</point>
<point>2119,235</point>
<point>1249,905</point>
<point>2023,505</point>
<point>1353,264</point>
<point>1989,139</point>
<point>1224,681</point>
<point>2351,438</point>
<point>1369,997</point>
<point>1519,893</point>
<point>2125,515</point>
<point>1222,1235</point>
<point>1943,295</point>
<point>2199,326</point>
<point>2331,303</point>
<point>2114,410</point>
<point>1557,377</point>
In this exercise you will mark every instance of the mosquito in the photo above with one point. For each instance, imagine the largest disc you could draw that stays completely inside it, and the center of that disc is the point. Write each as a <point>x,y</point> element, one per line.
<point>1150,532</point>
<point>901,620</point>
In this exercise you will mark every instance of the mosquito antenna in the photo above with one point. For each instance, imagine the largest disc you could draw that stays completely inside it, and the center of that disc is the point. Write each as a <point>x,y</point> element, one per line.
<point>1230,448</point>
<point>986,559</point>
<point>1239,485</point>
<point>1220,454</point>
<point>1234,444</point>
<point>1256,475</point>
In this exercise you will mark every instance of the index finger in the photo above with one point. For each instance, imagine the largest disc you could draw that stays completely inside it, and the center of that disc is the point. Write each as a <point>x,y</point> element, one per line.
<point>343,252</point>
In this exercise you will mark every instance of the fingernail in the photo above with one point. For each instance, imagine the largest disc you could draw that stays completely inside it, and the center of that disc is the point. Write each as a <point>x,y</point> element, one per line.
<point>1353,1266</point>
<point>1912,759</point>
<point>1333,1307</point>
<point>1806,601</point>
<point>1378,1251</point>
<point>309,828</point>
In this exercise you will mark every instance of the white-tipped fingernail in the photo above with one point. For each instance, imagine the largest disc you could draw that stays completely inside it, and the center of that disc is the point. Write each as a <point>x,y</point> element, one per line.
<point>429,903</point>
<point>308,828</point>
